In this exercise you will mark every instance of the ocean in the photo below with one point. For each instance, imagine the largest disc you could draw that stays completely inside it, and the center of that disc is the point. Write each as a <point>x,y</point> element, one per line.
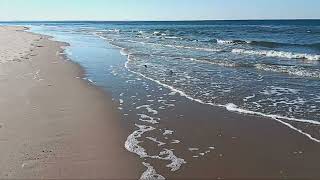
<point>265,68</point>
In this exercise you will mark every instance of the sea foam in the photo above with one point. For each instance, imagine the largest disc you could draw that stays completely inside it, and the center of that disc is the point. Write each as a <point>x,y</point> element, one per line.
<point>291,70</point>
<point>150,173</point>
<point>132,142</point>
<point>278,54</point>
<point>231,107</point>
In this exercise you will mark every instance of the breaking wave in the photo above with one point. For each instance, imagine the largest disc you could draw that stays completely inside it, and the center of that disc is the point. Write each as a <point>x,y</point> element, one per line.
<point>268,44</point>
<point>278,54</point>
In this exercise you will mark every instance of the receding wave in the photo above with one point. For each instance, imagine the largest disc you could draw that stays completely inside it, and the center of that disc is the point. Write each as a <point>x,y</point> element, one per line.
<point>231,106</point>
<point>278,54</point>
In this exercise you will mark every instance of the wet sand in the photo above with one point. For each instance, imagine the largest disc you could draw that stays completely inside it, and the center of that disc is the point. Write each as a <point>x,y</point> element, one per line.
<point>218,144</point>
<point>53,124</point>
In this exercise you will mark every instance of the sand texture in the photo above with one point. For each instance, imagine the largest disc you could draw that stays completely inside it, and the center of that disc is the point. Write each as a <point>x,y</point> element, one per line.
<point>53,124</point>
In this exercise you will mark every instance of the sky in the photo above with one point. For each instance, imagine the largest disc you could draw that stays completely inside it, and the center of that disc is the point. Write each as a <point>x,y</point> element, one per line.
<point>115,10</point>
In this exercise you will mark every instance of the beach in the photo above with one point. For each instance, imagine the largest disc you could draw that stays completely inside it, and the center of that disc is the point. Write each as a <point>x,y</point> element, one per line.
<point>53,123</point>
<point>89,101</point>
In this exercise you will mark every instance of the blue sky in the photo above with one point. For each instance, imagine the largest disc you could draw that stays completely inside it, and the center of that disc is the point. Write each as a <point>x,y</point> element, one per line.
<point>157,9</point>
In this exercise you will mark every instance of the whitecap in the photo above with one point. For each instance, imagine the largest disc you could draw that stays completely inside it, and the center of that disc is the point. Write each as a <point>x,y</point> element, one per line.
<point>279,54</point>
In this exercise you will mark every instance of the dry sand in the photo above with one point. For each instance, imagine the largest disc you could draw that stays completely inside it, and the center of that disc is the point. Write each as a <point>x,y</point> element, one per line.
<point>52,123</point>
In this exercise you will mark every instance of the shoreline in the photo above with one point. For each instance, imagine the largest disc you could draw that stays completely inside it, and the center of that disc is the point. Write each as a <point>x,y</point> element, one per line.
<point>267,148</point>
<point>241,146</point>
<point>64,127</point>
<point>232,108</point>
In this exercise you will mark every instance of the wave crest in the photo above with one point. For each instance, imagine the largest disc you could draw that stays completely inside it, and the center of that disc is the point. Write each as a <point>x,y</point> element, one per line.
<point>268,44</point>
<point>219,41</point>
<point>278,54</point>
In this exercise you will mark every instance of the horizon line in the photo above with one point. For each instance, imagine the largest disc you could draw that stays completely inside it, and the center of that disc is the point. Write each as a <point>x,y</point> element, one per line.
<point>272,19</point>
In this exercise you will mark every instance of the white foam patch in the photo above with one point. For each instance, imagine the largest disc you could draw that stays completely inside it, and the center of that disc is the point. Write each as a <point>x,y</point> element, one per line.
<point>164,102</point>
<point>140,32</point>
<point>150,173</point>
<point>194,48</point>
<point>168,132</point>
<point>173,37</point>
<point>132,142</point>
<point>291,70</point>
<point>89,80</point>
<point>279,54</point>
<point>169,156</point>
<point>201,153</point>
<point>220,41</point>
<point>156,33</point>
<point>249,97</point>
<point>193,149</point>
<point>175,141</point>
<point>114,30</point>
<point>148,108</point>
<point>278,91</point>
<point>132,145</point>
<point>149,119</point>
